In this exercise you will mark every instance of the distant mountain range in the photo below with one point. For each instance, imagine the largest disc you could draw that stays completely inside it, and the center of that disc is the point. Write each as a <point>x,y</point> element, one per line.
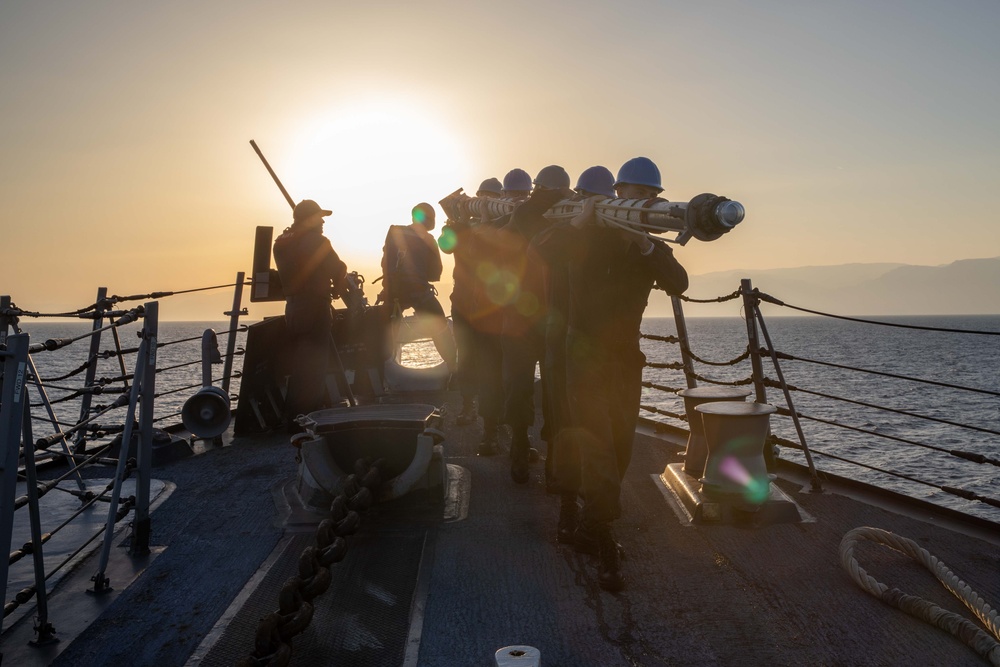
<point>965,287</point>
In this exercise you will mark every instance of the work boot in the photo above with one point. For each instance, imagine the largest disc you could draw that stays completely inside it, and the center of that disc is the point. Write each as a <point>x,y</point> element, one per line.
<point>488,446</point>
<point>587,539</point>
<point>467,415</point>
<point>551,484</point>
<point>609,570</point>
<point>569,518</point>
<point>519,470</point>
<point>533,455</point>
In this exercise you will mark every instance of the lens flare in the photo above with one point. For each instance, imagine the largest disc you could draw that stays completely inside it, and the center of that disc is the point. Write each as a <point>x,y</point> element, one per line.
<point>527,304</point>
<point>487,272</point>
<point>503,288</point>
<point>755,491</point>
<point>448,240</point>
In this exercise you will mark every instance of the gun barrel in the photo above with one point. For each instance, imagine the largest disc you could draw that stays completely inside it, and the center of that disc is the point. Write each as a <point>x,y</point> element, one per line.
<point>291,202</point>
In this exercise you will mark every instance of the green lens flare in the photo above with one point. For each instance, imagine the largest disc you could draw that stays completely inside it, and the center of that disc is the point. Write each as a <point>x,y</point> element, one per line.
<point>448,240</point>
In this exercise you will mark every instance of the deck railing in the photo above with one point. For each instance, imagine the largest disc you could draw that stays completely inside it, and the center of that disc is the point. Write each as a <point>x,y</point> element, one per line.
<point>32,434</point>
<point>799,432</point>
<point>807,431</point>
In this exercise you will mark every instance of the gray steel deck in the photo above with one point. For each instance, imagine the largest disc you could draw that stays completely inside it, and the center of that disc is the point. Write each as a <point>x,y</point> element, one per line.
<point>697,595</point>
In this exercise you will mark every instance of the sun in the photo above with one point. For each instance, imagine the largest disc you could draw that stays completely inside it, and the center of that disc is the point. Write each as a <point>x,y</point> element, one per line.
<point>370,164</point>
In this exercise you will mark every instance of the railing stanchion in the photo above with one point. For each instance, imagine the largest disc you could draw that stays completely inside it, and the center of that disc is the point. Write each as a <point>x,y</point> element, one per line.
<point>12,394</point>
<point>682,333</point>
<point>234,322</point>
<point>749,305</point>
<point>80,443</point>
<point>814,478</point>
<point>45,631</point>
<point>141,522</point>
<point>757,368</point>
<point>144,360</point>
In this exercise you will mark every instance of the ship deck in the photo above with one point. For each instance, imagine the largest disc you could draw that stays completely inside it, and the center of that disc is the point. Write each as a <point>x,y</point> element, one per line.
<point>419,590</point>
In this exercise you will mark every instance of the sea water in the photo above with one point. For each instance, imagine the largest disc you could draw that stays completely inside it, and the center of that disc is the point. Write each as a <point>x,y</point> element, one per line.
<point>963,360</point>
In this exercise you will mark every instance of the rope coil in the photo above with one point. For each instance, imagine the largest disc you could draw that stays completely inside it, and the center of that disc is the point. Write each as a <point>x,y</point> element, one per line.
<point>981,642</point>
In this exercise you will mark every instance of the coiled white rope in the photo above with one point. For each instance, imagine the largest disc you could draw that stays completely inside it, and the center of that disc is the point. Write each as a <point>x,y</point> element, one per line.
<point>966,630</point>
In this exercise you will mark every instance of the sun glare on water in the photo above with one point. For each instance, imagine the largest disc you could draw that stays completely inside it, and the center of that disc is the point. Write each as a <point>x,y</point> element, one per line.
<point>370,165</point>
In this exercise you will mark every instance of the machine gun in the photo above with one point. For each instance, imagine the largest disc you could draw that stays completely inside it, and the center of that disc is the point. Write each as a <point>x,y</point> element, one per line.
<point>266,284</point>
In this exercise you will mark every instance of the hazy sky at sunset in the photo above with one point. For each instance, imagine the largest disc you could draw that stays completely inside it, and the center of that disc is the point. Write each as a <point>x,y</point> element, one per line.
<point>851,131</point>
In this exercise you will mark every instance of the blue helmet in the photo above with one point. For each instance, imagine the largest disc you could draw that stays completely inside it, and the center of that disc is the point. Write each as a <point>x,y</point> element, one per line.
<point>552,177</point>
<point>639,171</point>
<point>517,179</point>
<point>490,185</point>
<point>597,180</point>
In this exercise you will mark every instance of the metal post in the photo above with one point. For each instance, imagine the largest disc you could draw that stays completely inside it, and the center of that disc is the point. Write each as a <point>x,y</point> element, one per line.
<point>141,522</point>
<point>45,631</point>
<point>121,358</point>
<point>12,394</point>
<point>753,340</point>
<point>95,347</point>
<point>101,582</point>
<point>234,322</point>
<point>682,333</point>
<point>816,485</point>
<point>753,343</point>
<point>52,417</point>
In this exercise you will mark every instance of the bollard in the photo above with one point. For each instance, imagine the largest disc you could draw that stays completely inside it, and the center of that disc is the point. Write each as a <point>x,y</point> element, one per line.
<point>696,452</point>
<point>735,433</point>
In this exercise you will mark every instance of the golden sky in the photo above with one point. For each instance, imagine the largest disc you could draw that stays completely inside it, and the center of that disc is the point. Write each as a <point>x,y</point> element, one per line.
<point>852,131</point>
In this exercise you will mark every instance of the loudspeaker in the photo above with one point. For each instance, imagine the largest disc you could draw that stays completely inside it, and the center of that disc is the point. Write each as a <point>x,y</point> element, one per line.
<point>207,413</point>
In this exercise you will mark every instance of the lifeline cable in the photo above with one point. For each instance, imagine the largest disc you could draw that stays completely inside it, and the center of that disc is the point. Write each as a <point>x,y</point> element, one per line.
<point>731,362</point>
<point>951,490</point>
<point>790,357</point>
<point>665,413</point>
<point>768,382</point>
<point>734,383</point>
<point>86,313</point>
<point>981,642</point>
<point>662,339</point>
<point>718,299</point>
<point>778,302</point>
<point>968,456</point>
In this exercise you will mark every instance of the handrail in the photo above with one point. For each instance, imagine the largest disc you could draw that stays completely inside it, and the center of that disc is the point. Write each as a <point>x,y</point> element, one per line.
<point>138,398</point>
<point>664,368</point>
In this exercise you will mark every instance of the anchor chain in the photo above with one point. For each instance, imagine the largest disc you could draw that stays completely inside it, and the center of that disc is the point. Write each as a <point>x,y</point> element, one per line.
<point>273,641</point>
